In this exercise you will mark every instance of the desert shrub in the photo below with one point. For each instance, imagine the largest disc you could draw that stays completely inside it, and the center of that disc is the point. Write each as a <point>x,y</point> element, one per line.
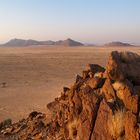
<point>5,123</point>
<point>116,125</point>
<point>72,129</point>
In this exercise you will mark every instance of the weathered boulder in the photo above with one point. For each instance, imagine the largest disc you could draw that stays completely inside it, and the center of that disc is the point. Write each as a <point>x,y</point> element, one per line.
<point>125,92</point>
<point>124,65</point>
<point>91,70</point>
<point>94,68</point>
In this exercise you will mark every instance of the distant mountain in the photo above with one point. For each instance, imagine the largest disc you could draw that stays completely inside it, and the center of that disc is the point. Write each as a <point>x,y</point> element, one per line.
<point>68,42</point>
<point>117,43</point>
<point>30,42</point>
<point>21,42</point>
<point>49,42</point>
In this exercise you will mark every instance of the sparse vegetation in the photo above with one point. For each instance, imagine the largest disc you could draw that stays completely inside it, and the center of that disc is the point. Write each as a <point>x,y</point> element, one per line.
<point>116,125</point>
<point>72,129</point>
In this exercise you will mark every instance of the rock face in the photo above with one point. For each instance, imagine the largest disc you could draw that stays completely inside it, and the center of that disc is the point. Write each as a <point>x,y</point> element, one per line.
<point>102,104</point>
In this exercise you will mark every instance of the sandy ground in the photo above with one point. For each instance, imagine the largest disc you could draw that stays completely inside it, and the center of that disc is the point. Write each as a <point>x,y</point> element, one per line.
<point>31,77</point>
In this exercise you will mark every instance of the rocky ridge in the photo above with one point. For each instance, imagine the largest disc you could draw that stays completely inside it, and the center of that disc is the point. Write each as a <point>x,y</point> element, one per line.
<point>22,43</point>
<point>118,43</point>
<point>102,104</point>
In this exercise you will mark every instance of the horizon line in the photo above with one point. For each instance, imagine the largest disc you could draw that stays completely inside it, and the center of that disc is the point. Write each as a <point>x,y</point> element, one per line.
<point>85,43</point>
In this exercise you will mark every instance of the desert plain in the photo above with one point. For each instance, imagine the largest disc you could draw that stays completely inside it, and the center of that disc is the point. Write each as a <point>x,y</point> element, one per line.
<point>31,77</point>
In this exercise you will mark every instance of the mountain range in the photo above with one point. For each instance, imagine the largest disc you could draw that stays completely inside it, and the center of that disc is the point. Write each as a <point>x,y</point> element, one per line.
<point>118,43</point>
<point>67,42</point>
<point>30,42</point>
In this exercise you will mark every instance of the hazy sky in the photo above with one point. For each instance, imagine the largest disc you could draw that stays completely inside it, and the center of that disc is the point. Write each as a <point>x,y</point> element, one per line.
<point>93,21</point>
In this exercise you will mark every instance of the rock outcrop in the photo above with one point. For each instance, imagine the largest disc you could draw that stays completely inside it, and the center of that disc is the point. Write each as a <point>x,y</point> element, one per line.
<point>102,104</point>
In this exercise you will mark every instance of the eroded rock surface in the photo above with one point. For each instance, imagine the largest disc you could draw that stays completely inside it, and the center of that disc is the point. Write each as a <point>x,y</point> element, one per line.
<point>102,104</point>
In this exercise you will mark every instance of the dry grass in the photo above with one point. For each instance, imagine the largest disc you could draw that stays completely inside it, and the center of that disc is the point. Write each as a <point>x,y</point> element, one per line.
<point>116,125</point>
<point>72,129</point>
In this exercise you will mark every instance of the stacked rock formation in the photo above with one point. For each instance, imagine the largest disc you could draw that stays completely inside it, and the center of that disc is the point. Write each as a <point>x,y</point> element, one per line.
<point>102,104</point>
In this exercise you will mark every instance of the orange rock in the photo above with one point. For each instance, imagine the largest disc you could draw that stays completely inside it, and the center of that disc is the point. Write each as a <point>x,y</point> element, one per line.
<point>94,68</point>
<point>95,82</point>
<point>108,91</point>
<point>131,128</point>
<point>124,65</point>
<point>101,131</point>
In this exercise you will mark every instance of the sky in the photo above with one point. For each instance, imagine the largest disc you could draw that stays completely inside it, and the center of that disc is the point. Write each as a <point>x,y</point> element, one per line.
<point>88,21</point>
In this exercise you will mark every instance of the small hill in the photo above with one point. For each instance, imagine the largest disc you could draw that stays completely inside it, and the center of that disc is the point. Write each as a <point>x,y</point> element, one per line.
<point>68,42</point>
<point>30,42</point>
<point>117,43</point>
<point>21,42</point>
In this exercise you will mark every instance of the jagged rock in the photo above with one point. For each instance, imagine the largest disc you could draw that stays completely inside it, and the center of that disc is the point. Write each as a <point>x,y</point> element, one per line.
<point>137,90</point>
<point>101,105</point>
<point>95,82</point>
<point>102,123</point>
<point>108,91</point>
<point>65,89</point>
<point>85,74</point>
<point>131,128</point>
<point>130,101</point>
<point>79,79</point>
<point>5,123</point>
<point>91,70</point>
<point>52,106</point>
<point>125,92</point>
<point>99,74</point>
<point>94,68</point>
<point>88,115</point>
<point>124,65</point>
